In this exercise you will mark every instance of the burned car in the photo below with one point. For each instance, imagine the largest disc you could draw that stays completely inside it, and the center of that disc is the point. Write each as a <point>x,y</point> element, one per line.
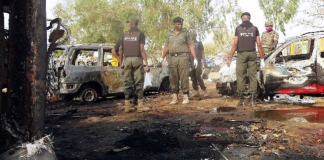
<point>295,67</point>
<point>88,71</point>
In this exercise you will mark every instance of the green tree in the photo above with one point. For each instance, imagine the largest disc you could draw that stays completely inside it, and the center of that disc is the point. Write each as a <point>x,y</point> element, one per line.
<point>210,49</point>
<point>224,29</point>
<point>95,21</point>
<point>279,11</point>
<point>313,17</point>
<point>104,20</point>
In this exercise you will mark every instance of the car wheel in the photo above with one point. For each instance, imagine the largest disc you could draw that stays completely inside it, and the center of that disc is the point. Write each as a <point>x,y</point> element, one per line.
<point>89,95</point>
<point>165,85</point>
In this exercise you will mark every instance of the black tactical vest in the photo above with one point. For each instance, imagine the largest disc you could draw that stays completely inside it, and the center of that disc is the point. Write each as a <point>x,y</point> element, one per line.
<point>131,44</point>
<point>246,39</point>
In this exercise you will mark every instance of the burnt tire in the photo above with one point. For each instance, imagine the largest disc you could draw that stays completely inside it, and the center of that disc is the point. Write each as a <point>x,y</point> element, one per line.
<point>88,95</point>
<point>165,85</point>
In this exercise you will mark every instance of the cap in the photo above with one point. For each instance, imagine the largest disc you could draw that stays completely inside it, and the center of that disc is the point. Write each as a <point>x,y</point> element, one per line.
<point>177,19</point>
<point>268,23</point>
<point>246,13</point>
<point>133,19</point>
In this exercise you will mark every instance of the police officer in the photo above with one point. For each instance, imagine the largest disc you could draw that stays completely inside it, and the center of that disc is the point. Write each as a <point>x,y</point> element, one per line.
<point>132,53</point>
<point>246,35</point>
<point>196,72</point>
<point>178,45</point>
<point>115,53</point>
<point>269,38</point>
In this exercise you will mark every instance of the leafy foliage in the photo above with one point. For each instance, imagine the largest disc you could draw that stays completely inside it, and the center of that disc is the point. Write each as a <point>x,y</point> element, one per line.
<point>103,21</point>
<point>279,11</point>
<point>313,17</point>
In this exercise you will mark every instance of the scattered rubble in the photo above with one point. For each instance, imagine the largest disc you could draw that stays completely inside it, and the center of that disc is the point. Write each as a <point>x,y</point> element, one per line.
<point>295,99</point>
<point>41,149</point>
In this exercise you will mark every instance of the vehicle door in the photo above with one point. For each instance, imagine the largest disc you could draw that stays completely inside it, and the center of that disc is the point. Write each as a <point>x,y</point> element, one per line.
<point>53,67</point>
<point>291,68</point>
<point>159,75</point>
<point>320,64</point>
<point>82,65</point>
<point>111,73</point>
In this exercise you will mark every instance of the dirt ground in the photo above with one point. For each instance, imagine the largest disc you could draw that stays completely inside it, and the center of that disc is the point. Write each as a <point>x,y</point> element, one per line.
<point>206,129</point>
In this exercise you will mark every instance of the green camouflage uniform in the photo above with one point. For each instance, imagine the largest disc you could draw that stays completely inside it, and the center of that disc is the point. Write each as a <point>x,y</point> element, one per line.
<point>179,60</point>
<point>267,40</point>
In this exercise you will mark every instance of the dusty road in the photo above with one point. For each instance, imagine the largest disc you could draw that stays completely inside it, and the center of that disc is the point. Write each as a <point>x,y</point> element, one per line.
<point>205,129</point>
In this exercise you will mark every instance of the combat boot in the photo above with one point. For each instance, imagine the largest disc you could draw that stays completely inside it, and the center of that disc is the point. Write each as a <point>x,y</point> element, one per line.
<point>195,93</point>
<point>241,100</point>
<point>128,107</point>
<point>174,99</point>
<point>252,100</point>
<point>185,99</point>
<point>141,107</point>
<point>134,102</point>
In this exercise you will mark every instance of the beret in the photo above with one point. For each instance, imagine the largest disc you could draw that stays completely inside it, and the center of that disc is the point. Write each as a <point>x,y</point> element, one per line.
<point>177,19</point>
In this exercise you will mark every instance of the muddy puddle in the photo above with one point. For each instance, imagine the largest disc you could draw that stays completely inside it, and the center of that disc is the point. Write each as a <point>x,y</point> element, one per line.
<point>309,114</point>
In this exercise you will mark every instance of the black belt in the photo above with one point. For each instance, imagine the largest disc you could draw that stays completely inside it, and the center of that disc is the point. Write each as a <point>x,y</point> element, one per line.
<point>178,54</point>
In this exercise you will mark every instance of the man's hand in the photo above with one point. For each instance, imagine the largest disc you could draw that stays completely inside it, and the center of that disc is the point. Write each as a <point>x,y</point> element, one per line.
<point>229,61</point>
<point>262,64</point>
<point>195,62</point>
<point>147,68</point>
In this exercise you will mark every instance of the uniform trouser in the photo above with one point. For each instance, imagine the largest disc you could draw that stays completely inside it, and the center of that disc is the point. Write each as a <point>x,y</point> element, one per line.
<point>196,77</point>
<point>266,50</point>
<point>133,77</point>
<point>179,72</point>
<point>246,64</point>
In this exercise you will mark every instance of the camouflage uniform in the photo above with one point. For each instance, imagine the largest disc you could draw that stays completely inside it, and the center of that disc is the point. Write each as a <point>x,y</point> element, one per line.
<point>179,60</point>
<point>268,38</point>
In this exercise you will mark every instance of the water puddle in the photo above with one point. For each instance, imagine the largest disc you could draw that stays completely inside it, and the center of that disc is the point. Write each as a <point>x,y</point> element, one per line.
<point>311,114</point>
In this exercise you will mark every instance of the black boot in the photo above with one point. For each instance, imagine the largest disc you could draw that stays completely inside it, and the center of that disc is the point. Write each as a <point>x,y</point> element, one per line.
<point>252,102</point>
<point>241,101</point>
<point>134,102</point>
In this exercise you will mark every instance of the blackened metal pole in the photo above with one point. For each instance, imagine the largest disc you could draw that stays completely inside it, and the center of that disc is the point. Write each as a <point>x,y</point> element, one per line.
<point>27,66</point>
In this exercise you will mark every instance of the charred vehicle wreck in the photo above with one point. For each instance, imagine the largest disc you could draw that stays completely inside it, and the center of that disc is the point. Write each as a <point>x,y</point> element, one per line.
<point>89,71</point>
<point>296,68</point>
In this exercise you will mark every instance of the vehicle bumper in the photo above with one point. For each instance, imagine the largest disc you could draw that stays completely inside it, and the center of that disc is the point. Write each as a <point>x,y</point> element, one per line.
<point>66,88</point>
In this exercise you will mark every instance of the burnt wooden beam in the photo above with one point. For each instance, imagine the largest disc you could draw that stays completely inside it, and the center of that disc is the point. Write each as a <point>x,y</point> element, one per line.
<point>27,67</point>
<point>2,70</point>
<point>2,57</point>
